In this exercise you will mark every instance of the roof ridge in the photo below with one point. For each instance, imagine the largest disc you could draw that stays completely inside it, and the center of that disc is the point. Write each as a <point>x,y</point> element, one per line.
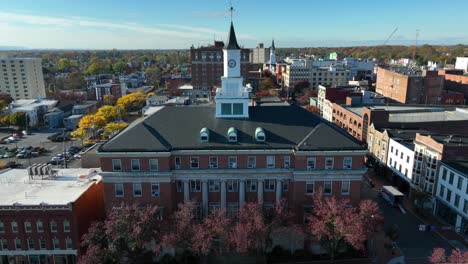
<point>308,134</point>
<point>158,136</point>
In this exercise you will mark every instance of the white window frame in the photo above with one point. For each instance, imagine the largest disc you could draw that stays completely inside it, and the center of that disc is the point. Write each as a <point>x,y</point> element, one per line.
<point>42,243</point>
<point>195,185</point>
<point>68,243</point>
<point>214,186</point>
<point>193,158</point>
<point>155,162</point>
<point>155,193</point>
<point>249,164</point>
<point>232,164</point>
<point>136,189</point>
<point>232,185</point>
<point>2,227</point>
<point>41,225</point>
<point>306,188</point>
<point>14,227</point>
<point>131,164</point>
<point>346,160</point>
<point>331,187</point>
<point>332,161</point>
<point>177,163</point>
<point>28,241</point>
<point>53,227</point>
<point>66,224</point>
<point>55,245</point>
<point>286,162</point>
<point>27,227</point>
<point>348,189</point>
<point>214,164</point>
<point>115,162</point>
<point>269,185</point>
<point>251,185</point>
<point>123,190</point>
<point>270,162</point>
<point>309,160</point>
<point>3,244</point>
<point>16,240</point>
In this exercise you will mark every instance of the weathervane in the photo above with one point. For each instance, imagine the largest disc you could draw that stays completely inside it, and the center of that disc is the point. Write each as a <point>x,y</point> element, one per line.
<point>231,8</point>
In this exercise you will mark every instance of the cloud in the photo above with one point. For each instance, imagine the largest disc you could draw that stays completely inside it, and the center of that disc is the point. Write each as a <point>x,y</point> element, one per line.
<point>211,13</point>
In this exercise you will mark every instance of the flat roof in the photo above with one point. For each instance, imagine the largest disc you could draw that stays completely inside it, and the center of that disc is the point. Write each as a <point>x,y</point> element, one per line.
<point>17,188</point>
<point>459,165</point>
<point>450,140</point>
<point>432,116</point>
<point>405,113</point>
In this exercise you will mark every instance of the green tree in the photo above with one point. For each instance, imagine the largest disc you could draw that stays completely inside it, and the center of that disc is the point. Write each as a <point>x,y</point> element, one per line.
<point>63,65</point>
<point>18,119</point>
<point>120,66</point>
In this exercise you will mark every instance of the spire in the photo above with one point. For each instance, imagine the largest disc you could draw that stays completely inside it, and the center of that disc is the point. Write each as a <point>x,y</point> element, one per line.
<point>273,44</point>
<point>232,41</point>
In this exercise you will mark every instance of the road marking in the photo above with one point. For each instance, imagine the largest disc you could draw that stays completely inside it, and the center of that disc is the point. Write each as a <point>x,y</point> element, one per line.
<point>52,147</point>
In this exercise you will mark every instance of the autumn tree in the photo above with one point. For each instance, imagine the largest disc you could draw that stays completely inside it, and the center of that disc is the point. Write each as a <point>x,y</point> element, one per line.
<point>109,99</point>
<point>439,256</point>
<point>6,97</point>
<point>75,81</point>
<point>130,234</point>
<point>18,119</point>
<point>132,102</point>
<point>92,121</point>
<point>266,84</point>
<point>335,224</point>
<point>113,128</point>
<point>153,75</point>
<point>111,113</point>
<point>214,228</point>
<point>79,133</point>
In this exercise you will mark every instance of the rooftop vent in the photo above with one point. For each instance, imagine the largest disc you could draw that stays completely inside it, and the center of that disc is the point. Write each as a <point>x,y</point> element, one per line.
<point>232,134</point>
<point>260,134</point>
<point>204,135</point>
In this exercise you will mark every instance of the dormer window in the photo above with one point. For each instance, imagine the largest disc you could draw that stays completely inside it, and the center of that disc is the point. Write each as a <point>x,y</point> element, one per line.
<point>232,134</point>
<point>260,134</point>
<point>204,135</point>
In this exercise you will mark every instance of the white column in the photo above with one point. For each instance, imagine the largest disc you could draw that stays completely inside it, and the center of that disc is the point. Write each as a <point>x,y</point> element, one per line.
<point>186,191</point>
<point>223,194</point>
<point>241,193</point>
<point>279,189</point>
<point>260,191</point>
<point>205,197</point>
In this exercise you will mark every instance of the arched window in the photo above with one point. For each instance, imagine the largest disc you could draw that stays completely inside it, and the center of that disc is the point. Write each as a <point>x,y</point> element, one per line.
<point>232,134</point>
<point>260,134</point>
<point>204,135</point>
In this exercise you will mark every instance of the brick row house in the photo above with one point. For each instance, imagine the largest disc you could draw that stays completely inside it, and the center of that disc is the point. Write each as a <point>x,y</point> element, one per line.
<point>226,155</point>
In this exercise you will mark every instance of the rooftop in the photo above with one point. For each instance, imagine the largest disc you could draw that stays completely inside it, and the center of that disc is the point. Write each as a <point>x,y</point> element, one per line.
<point>405,71</point>
<point>461,166</point>
<point>18,188</point>
<point>405,136</point>
<point>414,113</point>
<point>449,140</point>
<point>177,128</point>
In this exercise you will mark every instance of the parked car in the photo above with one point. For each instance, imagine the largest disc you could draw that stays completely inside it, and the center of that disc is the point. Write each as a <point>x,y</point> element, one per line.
<point>56,161</point>
<point>11,164</point>
<point>24,154</point>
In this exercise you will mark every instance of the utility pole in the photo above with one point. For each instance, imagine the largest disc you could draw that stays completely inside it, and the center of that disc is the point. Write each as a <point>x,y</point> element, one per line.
<point>415,46</point>
<point>63,146</point>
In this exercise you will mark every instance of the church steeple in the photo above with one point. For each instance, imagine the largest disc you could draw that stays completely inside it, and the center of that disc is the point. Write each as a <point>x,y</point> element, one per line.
<point>273,44</point>
<point>232,40</point>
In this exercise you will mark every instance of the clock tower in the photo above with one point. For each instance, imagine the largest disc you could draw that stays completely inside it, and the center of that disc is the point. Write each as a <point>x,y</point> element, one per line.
<point>232,99</point>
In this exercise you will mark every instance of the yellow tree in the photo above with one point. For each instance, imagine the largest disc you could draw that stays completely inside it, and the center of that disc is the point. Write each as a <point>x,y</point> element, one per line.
<point>109,99</point>
<point>133,101</point>
<point>113,128</point>
<point>80,133</point>
<point>111,113</point>
<point>92,121</point>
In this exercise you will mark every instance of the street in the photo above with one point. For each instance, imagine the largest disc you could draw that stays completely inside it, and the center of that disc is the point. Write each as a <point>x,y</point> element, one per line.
<point>415,245</point>
<point>39,139</point>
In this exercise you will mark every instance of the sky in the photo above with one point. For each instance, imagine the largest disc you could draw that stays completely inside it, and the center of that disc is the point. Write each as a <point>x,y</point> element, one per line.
<point>179,24</point>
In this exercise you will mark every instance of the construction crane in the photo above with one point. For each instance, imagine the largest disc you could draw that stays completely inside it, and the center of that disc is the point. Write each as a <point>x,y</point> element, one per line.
<point>385,42</point>
<point>415,46</point>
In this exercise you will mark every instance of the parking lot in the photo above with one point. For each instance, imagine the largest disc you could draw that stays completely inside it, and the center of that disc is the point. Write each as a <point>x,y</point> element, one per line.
<point>39,139</point>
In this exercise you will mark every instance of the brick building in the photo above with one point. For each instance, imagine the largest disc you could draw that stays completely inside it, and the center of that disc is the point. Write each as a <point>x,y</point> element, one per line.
<point>117,90</point>
<point>43,219</point>
<point>456,81</point>
<point>207,65</point>
<point>226,155</point>
<point>356,119</point>
<point>409,86</point>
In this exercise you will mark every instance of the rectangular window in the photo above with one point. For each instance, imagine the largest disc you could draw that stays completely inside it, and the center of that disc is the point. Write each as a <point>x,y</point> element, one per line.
<point>213,185</point>
<point>18,244</point>
<point>214,206</point>
<point>407,159</point>
<point>233,185</point>
<point>457,200</point>
<point>232,162</point>
<point>68,243</point>
<point>345,187</point>
<point>195,186</point>
<point>40,227</point>
<point>269,185</point>
<point>194,162</point>
<point>347,163</point>
<point>311,163</point>
<point>270,160</point>
<point>396,152</point>
<point>66,226</point>
<point>56,243</point>
<point>286,162</point>
<point>30,244</point>
<point>444,174</point>
<point>465,207</point>
<point>119,190</point>
<point>459,183</point>
<point>329,163</point>
<point>137,191</point>
<point>327,187</point>
<point>310,187</point>
<point>4,244</point>
<point>233,208</point>
<point>42,243</point>
<point>177,162</point>
<point>135,164</point>
<point>153,165</point>
<point>27,227</point>
<point>155,189</point>
<point>214,162</point>
<point>238,109</point>
<point>2,228</point>
<point>441,191</point>
<point>391,149</point>
<point>53,227</point>
<point>390,161</point>
<point>179,186</point>
<point>14,227</point>
<point>226,109</point>
<point>252,162</point>
<point>116,165</point>
<point>451,176</point>
<point>251,185</point>
<point>449,195</point>
<point>285,185</point>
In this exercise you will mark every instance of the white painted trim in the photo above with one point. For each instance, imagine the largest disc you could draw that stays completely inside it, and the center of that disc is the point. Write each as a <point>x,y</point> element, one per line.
<point>332,153</point>
<point>38,252</point>
<point>132,154</point>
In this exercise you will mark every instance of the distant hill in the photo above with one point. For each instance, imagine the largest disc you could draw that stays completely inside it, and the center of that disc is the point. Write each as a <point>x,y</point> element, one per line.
<point>7,48</point>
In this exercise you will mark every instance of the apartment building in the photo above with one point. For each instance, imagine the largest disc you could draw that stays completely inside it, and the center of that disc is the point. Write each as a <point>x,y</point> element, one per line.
<point>45,214</point>
<point>452,195</point>
<point>22,78</point>
<point>259,54</point>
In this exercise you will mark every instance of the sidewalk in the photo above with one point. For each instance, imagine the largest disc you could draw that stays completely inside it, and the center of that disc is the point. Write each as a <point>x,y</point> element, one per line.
<point>428,219</point>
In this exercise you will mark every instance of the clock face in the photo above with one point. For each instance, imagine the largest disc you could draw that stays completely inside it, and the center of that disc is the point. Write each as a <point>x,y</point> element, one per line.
<point>232,63</point>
